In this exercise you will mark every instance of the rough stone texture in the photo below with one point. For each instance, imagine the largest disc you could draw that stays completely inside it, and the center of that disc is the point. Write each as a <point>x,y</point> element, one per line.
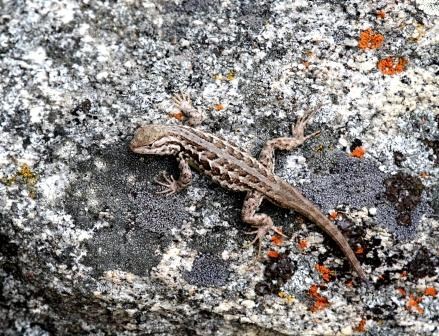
<point>88,247</point>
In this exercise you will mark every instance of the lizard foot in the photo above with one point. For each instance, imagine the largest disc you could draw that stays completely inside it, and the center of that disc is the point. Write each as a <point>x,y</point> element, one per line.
<point>183,102</point>
<point>299,128</point>
<point>167,181</point>
<point>260,232</point>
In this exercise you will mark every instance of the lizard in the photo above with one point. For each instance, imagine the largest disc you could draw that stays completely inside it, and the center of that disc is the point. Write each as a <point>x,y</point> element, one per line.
<point>237,170</point>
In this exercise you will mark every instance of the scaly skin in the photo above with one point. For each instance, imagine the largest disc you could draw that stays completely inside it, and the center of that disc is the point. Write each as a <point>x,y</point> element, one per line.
<point>237,170</point>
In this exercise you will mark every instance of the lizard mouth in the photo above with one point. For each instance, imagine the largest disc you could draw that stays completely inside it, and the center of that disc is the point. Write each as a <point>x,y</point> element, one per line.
<point>136,147</point>
<point>141,149</point>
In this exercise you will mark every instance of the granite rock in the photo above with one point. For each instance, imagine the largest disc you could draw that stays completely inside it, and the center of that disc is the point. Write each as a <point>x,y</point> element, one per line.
<point>88,247</point>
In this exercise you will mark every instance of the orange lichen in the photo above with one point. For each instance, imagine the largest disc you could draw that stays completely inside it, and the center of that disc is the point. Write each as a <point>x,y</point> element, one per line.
<point>320,302</point>
<point>361,326</point>
<point>333,215</point>
<point>359,250</point>
<point>320,305</point>
<point>26,172</point>
<point>29,178</point>
<point>349,283</point>
<point>413,304</point>
<point>370,39</point>
<point>392,65</point>
<point>358,152</point>
<point>24,176</point>
<point>273,254</point>
<point>423,174</point>
<point>401,291</point>
<point>381,14</point>
<point>430,291</point>
<point>303,244</point>
<point>218,107</point>
<point>177,115</point>
<point>319,148</point>
<point>277,240</point>
<point>325,272</point>
<point>313,291</point>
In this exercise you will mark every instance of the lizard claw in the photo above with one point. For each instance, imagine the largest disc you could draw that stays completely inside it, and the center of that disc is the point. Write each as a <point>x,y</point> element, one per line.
<point>278,231</point>
<point>183,102</point>
<point>311,135</point>
<point>260,232</point>
<point>167,181</point>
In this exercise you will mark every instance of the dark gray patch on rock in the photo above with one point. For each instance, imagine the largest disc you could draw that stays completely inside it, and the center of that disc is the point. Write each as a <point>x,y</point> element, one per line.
<point>114,187</point>
<point>404,192</point>
<point>213,242</point>
<point>435,199</point>
<point>338,179</point>
<point>208,270</point>
<point>423,264</point>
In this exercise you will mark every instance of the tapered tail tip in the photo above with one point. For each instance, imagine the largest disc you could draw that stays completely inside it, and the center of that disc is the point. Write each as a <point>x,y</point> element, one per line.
<point>363,277</point>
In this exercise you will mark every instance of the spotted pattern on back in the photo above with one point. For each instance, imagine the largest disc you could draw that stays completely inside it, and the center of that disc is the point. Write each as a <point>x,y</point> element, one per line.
<point>223,162</point>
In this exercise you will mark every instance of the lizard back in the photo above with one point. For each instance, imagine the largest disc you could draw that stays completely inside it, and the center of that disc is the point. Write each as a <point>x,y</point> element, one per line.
<point>236,169</point>
<point>225,163</point>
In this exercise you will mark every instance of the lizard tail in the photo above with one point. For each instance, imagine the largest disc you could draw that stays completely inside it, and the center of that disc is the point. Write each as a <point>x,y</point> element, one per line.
<point>312,212</point>
<point>332,231</point>
<point>341,241</point>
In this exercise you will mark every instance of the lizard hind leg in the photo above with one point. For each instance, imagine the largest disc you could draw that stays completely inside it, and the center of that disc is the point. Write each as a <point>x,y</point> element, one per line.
<point>261,222</point>
<point>182,101</point>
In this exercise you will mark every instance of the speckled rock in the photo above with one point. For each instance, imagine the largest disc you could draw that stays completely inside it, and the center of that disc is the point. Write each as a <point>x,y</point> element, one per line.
<point>87,246</point>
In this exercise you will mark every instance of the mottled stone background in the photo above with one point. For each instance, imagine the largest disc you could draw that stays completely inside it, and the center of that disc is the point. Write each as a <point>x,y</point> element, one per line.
<point>88,247</point>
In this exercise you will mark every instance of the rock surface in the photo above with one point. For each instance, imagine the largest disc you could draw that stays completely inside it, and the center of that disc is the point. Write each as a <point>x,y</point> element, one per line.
<point>88,247</point>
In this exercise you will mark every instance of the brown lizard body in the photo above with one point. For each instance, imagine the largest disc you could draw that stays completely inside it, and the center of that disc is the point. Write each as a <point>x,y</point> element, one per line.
<point>237,170</point>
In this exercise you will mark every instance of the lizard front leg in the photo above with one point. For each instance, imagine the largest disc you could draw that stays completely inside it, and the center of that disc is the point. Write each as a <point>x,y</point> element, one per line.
<point>183,102</point>
<point>262,222</point>
<point>266,157</point>
<point>171,185</point>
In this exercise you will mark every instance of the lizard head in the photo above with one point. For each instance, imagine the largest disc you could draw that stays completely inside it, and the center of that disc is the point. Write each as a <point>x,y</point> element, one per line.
<point>151,139</point>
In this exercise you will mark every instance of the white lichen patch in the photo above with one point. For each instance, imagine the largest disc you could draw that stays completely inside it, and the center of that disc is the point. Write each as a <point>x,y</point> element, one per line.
<point>175,260</point>
<point>430,7</point>
<point>52,187</point>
